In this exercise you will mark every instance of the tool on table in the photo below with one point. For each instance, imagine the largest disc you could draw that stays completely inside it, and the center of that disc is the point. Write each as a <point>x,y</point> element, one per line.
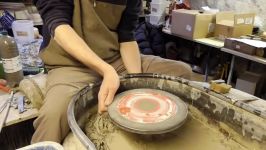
<point>5,89</point>
<point>5,109</point>
<point>226,90</point>
<point>217,86</point>
<point>20,103</point>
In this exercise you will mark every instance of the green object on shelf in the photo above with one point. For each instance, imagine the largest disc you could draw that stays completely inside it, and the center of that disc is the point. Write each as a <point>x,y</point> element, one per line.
<point>2,73</point>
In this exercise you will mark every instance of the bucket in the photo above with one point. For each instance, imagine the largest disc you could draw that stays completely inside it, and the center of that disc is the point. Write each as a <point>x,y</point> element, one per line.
<point>23,31</point>
<point>158,8</point>
<point>47,145</point>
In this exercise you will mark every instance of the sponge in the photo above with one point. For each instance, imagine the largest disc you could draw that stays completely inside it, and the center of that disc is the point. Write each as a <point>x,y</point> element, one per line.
<point>221,88</point>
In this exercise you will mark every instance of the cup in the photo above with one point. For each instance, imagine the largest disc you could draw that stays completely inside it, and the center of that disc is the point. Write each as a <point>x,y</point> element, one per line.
<point>23,31</point>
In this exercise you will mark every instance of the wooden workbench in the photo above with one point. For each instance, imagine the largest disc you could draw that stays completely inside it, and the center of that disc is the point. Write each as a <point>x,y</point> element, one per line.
<point>211,42</point>
<point>18,128</point>
<point>242,55</point>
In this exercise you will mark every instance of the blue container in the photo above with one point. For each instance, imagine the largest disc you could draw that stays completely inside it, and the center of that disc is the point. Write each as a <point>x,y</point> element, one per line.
<point>6,20</point>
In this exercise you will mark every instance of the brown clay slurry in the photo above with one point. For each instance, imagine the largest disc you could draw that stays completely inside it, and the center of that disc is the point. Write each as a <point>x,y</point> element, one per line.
<point>195,134</point>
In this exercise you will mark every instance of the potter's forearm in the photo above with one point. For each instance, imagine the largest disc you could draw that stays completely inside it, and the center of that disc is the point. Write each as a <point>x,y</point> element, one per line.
<point>70,41</point>
<point>131,56</point>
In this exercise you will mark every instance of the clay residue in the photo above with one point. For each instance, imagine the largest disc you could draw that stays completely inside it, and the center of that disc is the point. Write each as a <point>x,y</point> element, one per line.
<point>195,134</point>
<point>98,129</point>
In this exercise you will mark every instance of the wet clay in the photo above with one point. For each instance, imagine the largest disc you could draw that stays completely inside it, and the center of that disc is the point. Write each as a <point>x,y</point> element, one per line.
<point>196,134</point>
<point>146,105</point>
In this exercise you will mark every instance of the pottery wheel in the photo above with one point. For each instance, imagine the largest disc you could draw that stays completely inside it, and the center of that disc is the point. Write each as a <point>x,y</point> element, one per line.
<point>148,111</point>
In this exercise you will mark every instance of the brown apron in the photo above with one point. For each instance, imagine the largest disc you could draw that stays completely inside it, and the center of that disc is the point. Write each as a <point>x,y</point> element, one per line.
<point>96,23</point>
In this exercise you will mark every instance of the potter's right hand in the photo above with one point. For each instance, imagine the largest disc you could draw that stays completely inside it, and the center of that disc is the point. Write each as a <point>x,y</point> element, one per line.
<point>108,88</point>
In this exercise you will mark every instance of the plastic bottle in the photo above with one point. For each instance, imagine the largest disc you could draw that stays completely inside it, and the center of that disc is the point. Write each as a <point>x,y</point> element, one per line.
<point>11,59</point>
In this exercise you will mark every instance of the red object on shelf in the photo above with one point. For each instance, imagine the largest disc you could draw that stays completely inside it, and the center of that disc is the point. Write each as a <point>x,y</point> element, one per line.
<point>174,5</point>
<point>5,89</point>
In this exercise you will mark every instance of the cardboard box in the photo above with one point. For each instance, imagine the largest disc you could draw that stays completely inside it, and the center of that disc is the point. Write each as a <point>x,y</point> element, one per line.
<point>248,82</point>
<point>261,52</point>
<point>240,46</point>
<point>229,24</point>
<point>247,46</point>
<point>192,24</point>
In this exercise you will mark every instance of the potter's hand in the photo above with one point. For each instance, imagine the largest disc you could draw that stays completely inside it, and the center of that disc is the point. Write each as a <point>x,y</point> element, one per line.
<point>109,86</point>
<point>2,82</point>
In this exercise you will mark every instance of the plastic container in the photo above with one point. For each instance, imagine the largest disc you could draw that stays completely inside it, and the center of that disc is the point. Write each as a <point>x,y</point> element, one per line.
<point>29,53</point>
<point>6,20</point>
<point>158,8</point>
<point>2,73</point>
<point>43,146</point>
<point>158,1</point>
<point>23,31</point>
<point>11,60</point>
<point>156,19</point>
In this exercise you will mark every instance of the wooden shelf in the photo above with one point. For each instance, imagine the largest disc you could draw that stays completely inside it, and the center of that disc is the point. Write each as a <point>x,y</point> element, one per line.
<point>211,41</point>
<point>246,56</point>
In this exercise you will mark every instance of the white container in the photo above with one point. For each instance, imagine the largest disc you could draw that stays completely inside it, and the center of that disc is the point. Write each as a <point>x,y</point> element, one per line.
<point>23,31</point>
<point>158,8</point>
<point>158,1</point>
<point>47,145</point>
<point>156,19</point>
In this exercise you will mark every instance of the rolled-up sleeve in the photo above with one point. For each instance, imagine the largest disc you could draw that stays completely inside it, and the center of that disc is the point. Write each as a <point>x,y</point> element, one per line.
<point>129,21</point>
<point>55,12</point>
